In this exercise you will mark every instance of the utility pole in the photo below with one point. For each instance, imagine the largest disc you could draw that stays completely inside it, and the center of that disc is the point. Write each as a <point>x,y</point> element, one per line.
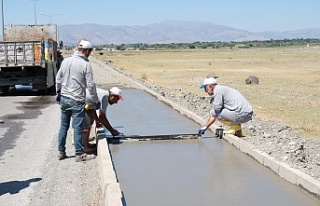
<point>35,11</point>
<point>2,20</point>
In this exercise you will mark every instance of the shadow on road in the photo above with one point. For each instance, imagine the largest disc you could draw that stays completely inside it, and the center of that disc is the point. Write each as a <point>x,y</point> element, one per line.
<point>14,187</point>
<point>21,90</point>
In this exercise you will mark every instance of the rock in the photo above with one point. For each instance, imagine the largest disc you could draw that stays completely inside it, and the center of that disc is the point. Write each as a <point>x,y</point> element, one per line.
<point>252,80</point>
<point>266,135</point>
<point>213,75</point>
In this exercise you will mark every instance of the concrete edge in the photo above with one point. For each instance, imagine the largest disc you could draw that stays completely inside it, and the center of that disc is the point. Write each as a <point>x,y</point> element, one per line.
<point>110,188</point>
<point>292,175</point>
<point>288,173</point>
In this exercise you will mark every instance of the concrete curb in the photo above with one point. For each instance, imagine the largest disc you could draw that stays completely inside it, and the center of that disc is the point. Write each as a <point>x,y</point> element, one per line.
<point>292,175</point>
<point>111,192</point>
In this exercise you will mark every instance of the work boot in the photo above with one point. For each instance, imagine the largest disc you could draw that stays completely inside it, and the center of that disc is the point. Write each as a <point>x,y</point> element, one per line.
<point>234,128</point>
<point>226,122</point>
<point>239,133</point>
<point>81,157</point>
<point>84,157</point>
<point>62,155</point>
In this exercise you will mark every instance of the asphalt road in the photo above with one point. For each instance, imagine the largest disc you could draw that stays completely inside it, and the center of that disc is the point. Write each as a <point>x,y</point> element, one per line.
<point>30,172</point>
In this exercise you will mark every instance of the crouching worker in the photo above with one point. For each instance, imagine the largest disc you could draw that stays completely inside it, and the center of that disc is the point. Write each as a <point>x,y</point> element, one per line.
<point>106,97</point>
<point>90,117</point>
<point>228,106</point>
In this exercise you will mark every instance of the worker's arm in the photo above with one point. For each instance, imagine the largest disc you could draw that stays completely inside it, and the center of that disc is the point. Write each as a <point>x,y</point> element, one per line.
<point>104,121</point>
<point>91,85</point>
<point>58,81</point>
<point>210,121</point>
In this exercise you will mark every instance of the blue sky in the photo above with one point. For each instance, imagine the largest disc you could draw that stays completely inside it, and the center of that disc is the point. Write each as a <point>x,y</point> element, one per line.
<point>251,15</point>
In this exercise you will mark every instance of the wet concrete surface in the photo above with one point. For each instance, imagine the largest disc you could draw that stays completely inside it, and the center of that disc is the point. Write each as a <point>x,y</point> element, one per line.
<point>206,171</point>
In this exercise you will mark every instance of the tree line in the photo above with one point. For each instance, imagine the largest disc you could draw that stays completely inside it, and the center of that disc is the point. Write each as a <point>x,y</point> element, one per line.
<point>272,43</point>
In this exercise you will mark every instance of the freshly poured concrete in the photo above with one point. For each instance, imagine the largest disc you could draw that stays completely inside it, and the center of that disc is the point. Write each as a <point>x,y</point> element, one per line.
<point>206,171</point>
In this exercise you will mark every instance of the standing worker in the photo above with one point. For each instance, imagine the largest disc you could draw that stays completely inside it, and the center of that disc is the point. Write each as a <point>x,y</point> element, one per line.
<point>72,80</point>
<point>106,97</point>
<point>229,106</point>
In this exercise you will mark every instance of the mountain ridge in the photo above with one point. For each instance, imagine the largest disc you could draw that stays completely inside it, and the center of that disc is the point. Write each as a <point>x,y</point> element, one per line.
<point>171,31</point>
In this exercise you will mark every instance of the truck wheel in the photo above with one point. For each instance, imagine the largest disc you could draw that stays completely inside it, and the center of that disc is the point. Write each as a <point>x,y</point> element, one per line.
<point>42,92</point>
<point>4,89</point>
<point>52,90</point>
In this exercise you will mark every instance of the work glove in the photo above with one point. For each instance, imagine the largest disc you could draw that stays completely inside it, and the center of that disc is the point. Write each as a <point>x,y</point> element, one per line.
<point>202,130</point>
<point>97,105</point>
<point>87,106</point>
<point>58,98</point>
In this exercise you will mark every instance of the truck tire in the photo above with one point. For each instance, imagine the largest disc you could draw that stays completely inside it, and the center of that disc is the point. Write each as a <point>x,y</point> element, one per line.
<point>49,91</point>
<point>52,90</point>
<point>4,90</point>
<point>42,92</point>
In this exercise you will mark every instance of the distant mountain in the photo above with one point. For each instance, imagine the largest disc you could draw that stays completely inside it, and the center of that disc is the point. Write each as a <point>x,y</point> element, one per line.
<point>170,32</point>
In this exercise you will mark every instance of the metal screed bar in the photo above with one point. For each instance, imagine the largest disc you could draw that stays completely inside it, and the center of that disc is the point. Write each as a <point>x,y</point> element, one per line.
<point>123,137</point>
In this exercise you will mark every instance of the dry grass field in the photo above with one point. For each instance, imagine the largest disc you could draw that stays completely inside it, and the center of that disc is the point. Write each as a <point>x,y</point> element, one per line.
<point>289,88</point>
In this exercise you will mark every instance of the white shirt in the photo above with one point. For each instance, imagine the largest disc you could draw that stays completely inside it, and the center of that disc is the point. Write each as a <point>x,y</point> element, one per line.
<point>74,77</point>
<point>103,96</point>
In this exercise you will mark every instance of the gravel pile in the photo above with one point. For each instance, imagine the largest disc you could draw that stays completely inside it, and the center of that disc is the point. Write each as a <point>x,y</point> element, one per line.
<point>273,138</point>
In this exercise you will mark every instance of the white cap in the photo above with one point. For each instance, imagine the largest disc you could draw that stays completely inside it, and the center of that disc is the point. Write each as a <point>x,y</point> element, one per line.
<point>207,81</point>
<point>84,44</point>
<point>116,91</point>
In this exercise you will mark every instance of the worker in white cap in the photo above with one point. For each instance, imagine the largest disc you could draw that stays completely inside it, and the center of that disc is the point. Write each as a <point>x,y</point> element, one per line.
<point>228,106</point>
<point>73,78</point>
<point>106,97</point>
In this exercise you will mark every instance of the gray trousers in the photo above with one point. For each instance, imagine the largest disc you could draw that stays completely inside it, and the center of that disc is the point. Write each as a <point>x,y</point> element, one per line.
<point>233,116</point>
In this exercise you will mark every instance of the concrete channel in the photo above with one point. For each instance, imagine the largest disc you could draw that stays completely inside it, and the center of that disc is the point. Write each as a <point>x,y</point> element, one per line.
<point>204,171</point>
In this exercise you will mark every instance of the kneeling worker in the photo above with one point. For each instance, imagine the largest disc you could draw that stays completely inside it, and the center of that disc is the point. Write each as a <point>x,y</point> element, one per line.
<point>229,106</point>
<point>106,97</point>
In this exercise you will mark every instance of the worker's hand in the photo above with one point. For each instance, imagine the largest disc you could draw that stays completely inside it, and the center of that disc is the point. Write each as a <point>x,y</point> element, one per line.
<point>115,132</point>
<point>58,98</point>
<point>97,105</point>
<point>202,130</point>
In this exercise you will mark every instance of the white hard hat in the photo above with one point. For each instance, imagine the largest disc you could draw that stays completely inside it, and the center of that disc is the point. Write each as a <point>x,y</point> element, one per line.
<point>207,81</point>
<point>84,44</point>
<point>116,91</point>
